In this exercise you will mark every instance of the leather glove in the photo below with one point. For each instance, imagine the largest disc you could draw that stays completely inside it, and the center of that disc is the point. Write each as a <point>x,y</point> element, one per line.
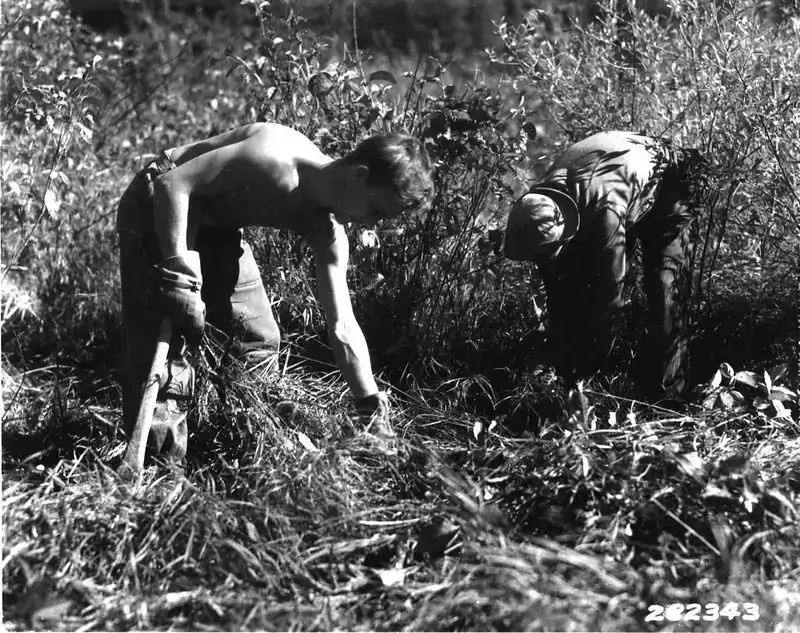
<point>373,413</point>
<point>179,282</point>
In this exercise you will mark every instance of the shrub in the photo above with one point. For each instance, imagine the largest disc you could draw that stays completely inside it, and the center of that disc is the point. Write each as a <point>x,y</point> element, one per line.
<point>439,280</point>
<point>715,77</point>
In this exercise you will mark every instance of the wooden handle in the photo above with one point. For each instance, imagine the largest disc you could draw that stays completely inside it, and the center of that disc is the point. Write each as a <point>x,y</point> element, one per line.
<point>133,461</point>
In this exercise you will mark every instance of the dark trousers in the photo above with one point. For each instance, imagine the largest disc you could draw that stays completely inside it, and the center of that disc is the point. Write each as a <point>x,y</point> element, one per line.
<point>584,285</point>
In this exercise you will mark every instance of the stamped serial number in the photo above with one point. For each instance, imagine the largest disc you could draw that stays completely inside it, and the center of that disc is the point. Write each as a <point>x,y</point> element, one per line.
<point>710,612</point>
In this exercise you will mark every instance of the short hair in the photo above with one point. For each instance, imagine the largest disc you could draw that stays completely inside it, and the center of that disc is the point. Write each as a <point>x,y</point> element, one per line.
<point>399,162</point>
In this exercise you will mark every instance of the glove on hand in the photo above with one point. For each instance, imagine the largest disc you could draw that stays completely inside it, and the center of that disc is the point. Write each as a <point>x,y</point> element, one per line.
<point>179,282</point>
<point>373,413</point>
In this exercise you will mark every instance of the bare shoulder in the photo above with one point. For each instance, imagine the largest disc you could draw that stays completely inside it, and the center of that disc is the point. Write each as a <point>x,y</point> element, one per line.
<point>278,149</point>
<point>281,140</point>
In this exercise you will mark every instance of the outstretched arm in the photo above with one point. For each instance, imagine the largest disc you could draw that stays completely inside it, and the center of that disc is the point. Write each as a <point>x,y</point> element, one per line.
<point>347,341</point>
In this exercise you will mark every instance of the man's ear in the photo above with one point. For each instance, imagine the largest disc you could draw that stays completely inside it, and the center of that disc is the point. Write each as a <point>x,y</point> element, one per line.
<point>361,172</point>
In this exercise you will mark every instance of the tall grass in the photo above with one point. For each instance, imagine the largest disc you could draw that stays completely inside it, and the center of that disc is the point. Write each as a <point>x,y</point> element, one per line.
<point>511,500</point>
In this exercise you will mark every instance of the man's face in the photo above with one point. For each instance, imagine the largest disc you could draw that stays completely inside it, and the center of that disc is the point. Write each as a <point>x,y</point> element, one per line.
<point>367,205</point>
<point>549,250</point>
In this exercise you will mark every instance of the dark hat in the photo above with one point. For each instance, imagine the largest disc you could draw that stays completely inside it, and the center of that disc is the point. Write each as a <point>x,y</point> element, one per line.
<point>542,216</point>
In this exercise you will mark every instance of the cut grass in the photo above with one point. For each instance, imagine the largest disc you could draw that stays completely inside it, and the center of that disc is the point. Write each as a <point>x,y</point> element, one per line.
<point>287,517</point>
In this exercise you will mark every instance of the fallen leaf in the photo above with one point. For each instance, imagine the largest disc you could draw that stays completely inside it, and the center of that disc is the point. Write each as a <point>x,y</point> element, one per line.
<point>252,532</point>
<point>306,442</point>
<point>391,577</point>
<point>691,464</point>
<point>715,491</point>
<point>52,612</point>
<point>781,411</point>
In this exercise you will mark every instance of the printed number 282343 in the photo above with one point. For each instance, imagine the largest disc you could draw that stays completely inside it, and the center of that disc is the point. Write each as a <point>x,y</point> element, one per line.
<point>709,612</point>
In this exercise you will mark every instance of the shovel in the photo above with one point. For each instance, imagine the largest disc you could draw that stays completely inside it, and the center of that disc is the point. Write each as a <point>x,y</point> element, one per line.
<point>133,461</point>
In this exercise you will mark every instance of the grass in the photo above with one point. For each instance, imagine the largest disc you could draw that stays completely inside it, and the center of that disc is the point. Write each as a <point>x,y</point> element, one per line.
<point>287,517</point>
<point>510,501</point>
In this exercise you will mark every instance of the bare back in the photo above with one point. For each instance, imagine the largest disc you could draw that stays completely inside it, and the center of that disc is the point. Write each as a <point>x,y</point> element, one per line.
<point>248,177</point>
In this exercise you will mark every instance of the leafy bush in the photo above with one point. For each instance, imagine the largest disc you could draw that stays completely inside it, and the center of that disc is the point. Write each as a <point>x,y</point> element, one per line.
<point>83,113</point>
<point>284,517</point>
<point>712,77</point>
<point>337,103</point>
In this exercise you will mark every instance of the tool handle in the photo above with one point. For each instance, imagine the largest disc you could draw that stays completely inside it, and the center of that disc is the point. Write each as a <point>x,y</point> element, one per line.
<point>137,446</point>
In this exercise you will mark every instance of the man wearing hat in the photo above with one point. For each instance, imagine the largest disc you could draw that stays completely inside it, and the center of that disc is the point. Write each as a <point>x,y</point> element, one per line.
<point>580,226</point>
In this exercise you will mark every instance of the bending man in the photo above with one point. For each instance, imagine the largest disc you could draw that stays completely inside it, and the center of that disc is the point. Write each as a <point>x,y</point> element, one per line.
<point>580,226</point>
<point>182,254</point>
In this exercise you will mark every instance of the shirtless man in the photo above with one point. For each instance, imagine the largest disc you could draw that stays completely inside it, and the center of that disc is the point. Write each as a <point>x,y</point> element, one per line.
<point>182,254</point>
<point>580,226</point>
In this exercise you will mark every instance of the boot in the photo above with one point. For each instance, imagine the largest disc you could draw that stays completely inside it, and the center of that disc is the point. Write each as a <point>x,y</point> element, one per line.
<point>169,435</point>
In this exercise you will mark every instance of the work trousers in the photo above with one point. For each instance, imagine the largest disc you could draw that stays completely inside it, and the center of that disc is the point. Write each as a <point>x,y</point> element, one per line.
<point>583,312</point>
<point>236,300</point>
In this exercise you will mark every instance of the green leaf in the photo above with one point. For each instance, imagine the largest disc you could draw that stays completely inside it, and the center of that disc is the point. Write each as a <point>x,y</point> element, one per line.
<point>585,466</point>
<point>382,76</point>
<point>778,371</point>
<point>727,371</point>
<point>479,114</point>
<point>748,378</point>
<point>782,393</point>
<point>761,403</point>
<point>727,399</point>
<point>780,410</point>
<point>51,204</point>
